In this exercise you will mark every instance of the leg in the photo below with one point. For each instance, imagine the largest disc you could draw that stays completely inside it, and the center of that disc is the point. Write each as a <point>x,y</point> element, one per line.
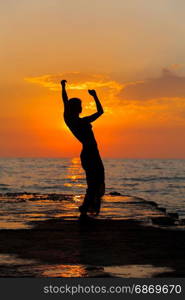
<point>95,190</point>
<point>94,169</point>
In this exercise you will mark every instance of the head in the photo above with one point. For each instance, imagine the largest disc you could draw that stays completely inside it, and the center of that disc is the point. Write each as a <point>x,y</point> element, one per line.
<point>75,106</point>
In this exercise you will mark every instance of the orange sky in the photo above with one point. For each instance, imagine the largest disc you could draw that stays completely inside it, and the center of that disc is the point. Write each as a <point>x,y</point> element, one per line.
<point>131,53</point>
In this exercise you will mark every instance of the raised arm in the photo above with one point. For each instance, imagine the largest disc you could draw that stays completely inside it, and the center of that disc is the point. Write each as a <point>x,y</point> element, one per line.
<point>64,93</point>
<point>99,107</point>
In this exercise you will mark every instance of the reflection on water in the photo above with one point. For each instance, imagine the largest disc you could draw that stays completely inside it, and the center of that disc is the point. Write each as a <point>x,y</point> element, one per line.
<point>8,224</point>
<point>75,174</point>
<point>14,266</point>
<point>136,271</point>
<point>127,271</point>
<point>73,271</point>
<point>6,259</point>
<point>64,271</point>
<point>19,210</point>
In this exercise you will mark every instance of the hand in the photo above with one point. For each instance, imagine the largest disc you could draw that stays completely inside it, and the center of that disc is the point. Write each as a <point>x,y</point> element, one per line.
<point>92,92</point>
<point>63,82</point>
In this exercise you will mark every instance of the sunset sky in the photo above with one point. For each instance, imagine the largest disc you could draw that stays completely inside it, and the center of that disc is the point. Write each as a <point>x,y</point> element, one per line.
<point>132,52</point>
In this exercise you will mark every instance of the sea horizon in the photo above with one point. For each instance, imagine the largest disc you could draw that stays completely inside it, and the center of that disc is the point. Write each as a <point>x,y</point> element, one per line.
<point>103,157</point>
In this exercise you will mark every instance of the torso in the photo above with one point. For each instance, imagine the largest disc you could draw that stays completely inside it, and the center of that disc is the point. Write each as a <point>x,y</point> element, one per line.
<point>82,130</point>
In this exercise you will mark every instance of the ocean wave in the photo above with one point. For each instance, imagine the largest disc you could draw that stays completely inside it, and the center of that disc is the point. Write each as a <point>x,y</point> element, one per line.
<point>152,178</point>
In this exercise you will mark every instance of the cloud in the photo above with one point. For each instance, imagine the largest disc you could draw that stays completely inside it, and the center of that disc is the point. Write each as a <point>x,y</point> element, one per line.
<point>169,85</point>
<point>76,81</point>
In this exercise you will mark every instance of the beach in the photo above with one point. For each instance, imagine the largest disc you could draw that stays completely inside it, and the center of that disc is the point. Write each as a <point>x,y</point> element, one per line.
<point>145,242</point>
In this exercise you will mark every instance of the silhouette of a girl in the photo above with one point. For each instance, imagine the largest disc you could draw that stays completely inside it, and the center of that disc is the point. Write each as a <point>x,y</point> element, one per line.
<point>90,157</point>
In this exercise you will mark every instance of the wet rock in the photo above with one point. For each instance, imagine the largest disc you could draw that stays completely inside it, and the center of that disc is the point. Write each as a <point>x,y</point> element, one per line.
<point>163,209</point>
<point>166,221</point>
<point>152,203</point>
<point>173,215</point>
<point>115,194</point>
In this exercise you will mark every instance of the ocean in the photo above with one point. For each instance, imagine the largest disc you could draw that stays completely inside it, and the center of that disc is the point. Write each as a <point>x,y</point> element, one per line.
<point>159,180</point>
